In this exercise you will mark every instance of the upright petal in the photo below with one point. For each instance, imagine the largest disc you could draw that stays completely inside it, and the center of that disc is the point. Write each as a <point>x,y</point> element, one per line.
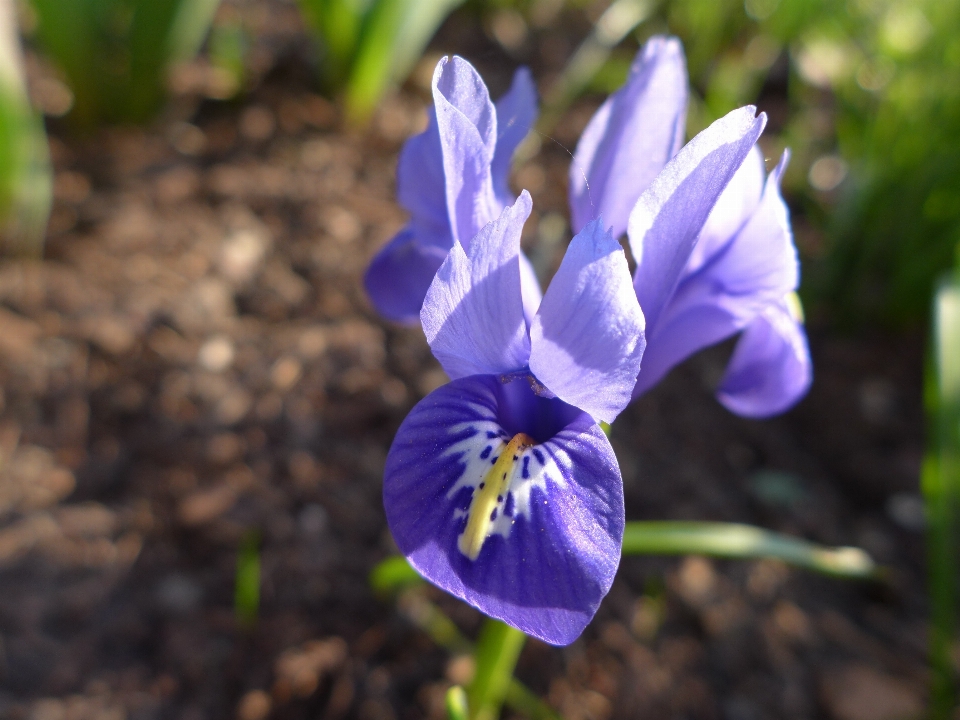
<point>667,219</point>
<point>547,552</point>
<point>733,209</point>
<point>516,113</point>
<point>587,338</point>
<point>421,188</point>
<point>473,311</point>
<point>467,122</point>
<point>399,275</point>
<point>770,369</point>
<point>726,291</point>
<point>631,137</point>
<point>529,289</point>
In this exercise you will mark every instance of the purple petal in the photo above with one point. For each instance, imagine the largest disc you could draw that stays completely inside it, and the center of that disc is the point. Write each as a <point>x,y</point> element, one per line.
<point>669,215</point>
<point>587,338</point>
<point>421,189</point>
<point>516,113</point>
<point>399,275</point>
<point>631,137</point>
<point>473,311</point>
<point>529,289</point>
<point>467,122</point>
<point>550,553</point>
<point>770,369</point>
<point>753,269</point>
<point>734,207</point>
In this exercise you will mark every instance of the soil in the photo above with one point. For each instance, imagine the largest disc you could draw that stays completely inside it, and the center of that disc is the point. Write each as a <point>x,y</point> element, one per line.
<point>193,367</point>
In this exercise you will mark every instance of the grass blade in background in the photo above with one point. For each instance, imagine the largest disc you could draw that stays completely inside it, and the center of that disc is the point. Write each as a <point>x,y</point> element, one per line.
<point>736,541</point>
<point>246,598</point>
<point>115,53</point>
<point>25,176</point>
<point>365,45</point>
<point>940,482</point>
<point>498,649</point>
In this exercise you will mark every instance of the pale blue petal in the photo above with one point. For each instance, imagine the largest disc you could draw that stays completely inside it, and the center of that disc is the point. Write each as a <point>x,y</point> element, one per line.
<point>399,275</point>
<point>587,338</point>
<point>473,312</point>
<point>421,189</point>
<point>516,113</point>
<point>631,137</point>
<point>552,549</point>
<point>667,219</point>
<point>770,369</point>
<point>529,289</point>
<point>721,296</point>
<point>467,122</point>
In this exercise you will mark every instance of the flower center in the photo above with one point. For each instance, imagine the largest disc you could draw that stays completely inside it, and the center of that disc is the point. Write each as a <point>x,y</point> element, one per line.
<point>489,495</point>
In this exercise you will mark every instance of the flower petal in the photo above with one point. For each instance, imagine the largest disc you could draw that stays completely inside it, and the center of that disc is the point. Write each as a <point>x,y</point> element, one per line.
<point>473,312</point>
<point>421,188</point>
<point>529,289</point>
<point>552,548</point>
<point>734,207</point>
<point>467,121</point>
<point>721,296</point>
<point>667,219</point>
<point>631,137</point>
<point>399,275</point>
<point>770,369</point>
<point>516,113</point>
<point>587,338</point>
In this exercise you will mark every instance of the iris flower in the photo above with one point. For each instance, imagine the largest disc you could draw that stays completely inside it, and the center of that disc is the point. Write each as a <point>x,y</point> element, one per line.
<point>453,179</point>
<point>500,487</point>
<point>713,258</point>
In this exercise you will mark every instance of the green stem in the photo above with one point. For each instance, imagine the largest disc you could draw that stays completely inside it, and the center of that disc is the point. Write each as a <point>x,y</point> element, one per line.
<point>496,657</point>
<point>733,540</point>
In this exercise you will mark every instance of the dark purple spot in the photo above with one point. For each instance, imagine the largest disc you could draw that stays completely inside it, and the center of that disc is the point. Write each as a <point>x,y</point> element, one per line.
<point>493,515</point>
<point>499,498</point>
<point>481,485</point>
<point>515,458</point>
<point>491,435</point>
<point>539,456</point>
<point>493,461</point>
<point>486,452</point>
<point>508,510</point>
<point>526,467</point>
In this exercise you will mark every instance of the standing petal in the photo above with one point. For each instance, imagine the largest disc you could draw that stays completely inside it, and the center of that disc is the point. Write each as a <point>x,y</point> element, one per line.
<point>467,121</point>
<point>421,187</point>
<point>631,137</point>
<point>722,295</point>
<point>549,551</point>
<point>516,113</point>
<point>770,369</point>
<point>399,275</point>
<point>668,217</point>
<point>473,312</point>
<point>587,338</point>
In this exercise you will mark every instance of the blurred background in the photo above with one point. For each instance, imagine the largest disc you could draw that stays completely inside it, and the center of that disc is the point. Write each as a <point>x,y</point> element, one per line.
<point>198,400</point>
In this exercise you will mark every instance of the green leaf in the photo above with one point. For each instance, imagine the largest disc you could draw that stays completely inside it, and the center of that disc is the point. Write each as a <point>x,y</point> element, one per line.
<point>393,574</point>
<point>496,657</point>
<point>734,540</point>
<point>246,598</point>
<point>457,704</point>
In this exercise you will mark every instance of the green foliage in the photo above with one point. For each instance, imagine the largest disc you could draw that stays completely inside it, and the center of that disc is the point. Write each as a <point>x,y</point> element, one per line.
<point>246,596</point>
<point>365,45</point>
<point>940,483</point>
<point>115,53</point>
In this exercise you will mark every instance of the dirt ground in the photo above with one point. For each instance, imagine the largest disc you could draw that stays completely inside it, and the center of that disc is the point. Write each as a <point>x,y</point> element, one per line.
<point>194,361</point>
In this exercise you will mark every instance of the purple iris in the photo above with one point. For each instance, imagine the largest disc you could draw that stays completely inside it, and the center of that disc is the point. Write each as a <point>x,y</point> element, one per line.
<point>453,179</point>
<point>500,487</point>
<point>714,251</point>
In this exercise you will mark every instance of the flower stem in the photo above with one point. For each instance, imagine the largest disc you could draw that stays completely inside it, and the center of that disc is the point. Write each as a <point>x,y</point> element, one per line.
<point>734,540</point>
<point>498,649</point>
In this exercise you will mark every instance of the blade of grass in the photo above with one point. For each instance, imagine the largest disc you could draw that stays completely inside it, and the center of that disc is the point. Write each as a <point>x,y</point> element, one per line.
<point>457,704</point>
<point>246,598</point>
<point>940,483</point>
<point>734,540</point>
<point>498,649</point>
